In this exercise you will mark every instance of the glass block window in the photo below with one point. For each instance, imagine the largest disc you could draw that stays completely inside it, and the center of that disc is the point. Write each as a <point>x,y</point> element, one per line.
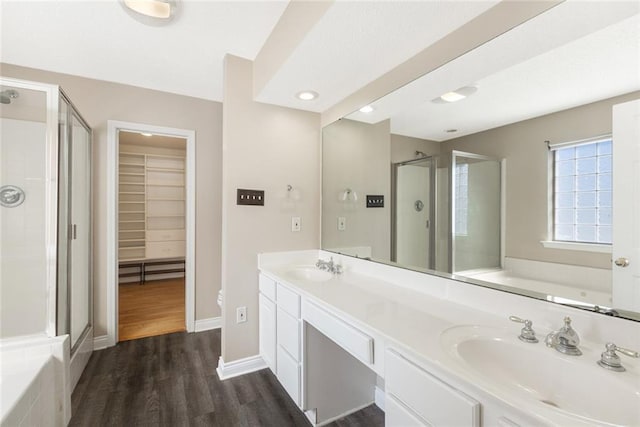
<point>461,199</point>
<point>582,192</point>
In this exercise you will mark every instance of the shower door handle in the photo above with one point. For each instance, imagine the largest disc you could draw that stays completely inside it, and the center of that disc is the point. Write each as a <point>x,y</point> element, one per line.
<point>74,232</point>
<point>428,223</point>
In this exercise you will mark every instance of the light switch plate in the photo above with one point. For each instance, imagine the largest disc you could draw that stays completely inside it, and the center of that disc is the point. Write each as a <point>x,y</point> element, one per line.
<point>342,223</point>
<point>250,197</point>
<point>241,314</point>
<point>296,223</point>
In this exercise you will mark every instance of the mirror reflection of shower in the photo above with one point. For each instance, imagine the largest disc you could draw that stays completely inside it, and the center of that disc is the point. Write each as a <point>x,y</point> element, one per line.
<point>476,202</point>
<point>413,233</point>
<point>8,95</point>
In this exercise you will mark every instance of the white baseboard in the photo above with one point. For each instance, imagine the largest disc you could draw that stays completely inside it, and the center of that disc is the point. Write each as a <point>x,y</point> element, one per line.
<point>208,324</point>
<point>239,367</point>
<point>379,398</point>
<point>101,342</point>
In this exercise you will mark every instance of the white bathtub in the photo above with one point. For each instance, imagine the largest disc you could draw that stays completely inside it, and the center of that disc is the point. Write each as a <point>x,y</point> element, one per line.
<point>565,282</point>
<point>34,381</point>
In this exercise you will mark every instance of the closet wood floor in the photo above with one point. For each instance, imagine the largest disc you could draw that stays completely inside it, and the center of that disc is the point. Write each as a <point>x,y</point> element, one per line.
<point>170,380</point>
<point>154,308</point>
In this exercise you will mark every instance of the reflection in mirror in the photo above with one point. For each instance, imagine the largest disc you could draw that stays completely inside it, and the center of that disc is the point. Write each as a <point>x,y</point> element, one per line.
<point>470,178</point>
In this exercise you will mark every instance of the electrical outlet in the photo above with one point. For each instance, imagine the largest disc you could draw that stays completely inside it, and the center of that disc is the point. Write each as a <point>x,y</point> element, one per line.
<point>241,314</point>
<point>342,223</point>
<point>295,223</point>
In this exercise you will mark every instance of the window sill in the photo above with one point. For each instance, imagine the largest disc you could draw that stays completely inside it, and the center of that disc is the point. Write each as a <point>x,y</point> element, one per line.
<point>584,247</point>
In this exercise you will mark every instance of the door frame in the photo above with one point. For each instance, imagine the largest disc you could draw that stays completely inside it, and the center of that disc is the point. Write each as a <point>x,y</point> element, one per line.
<point>113,127</point>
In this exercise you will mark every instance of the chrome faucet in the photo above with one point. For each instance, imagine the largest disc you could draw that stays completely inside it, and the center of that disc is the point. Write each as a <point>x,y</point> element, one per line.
<point>527,334</point>
<point>329,266</point>
<point>565,340</point>
<point>610,360</point>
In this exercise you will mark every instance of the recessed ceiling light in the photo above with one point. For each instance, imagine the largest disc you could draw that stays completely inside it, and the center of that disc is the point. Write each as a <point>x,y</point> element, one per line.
<point>455,95</point>
<point>307,95</point>
<point>366,109</point>
<point>146,134</point>
<point>151,12</point>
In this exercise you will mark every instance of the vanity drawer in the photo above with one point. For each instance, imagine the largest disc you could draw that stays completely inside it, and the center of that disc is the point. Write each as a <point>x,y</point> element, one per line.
<point>288,300</point>
<point>267,287</point>
<point>431,399</point>
<point>289,334</point>
<point>346,336</point>
<point>289,374</point>
<point>397,415</point>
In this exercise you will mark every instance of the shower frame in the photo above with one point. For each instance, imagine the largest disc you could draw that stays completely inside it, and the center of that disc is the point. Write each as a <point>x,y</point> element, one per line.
<point>54,96</point>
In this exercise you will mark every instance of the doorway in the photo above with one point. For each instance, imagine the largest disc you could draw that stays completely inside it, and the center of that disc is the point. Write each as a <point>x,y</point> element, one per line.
<point>151,234</point>
<point>151,225</point>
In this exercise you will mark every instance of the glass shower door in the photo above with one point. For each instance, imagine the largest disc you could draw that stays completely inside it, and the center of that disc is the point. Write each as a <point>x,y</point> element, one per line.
<point>476,208</point>
<point>413,213</point>
<point>80,229</point>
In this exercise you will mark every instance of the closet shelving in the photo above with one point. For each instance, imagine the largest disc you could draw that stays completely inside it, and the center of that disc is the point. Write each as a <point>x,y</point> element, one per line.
<point>151,207</point>
<point>166,206</point>
<point>131,206</point>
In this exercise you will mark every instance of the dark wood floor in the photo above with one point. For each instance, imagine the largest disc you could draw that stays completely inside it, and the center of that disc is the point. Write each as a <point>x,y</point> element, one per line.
<point>170,380</point>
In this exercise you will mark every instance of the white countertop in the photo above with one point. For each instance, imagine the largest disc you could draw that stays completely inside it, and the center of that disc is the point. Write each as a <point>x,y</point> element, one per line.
<point>415,320</point>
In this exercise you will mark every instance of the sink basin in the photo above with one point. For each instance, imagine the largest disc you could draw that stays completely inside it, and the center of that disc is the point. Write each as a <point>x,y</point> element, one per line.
<point>310,273</point>
<point>570,385</point>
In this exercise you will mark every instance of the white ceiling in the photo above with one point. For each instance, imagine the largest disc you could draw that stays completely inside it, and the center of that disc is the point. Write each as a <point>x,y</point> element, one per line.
<point>576,53</point>
<point>353,43</point>
<point>98,39</point>
<point>356,42</point>
<point>157,141</point>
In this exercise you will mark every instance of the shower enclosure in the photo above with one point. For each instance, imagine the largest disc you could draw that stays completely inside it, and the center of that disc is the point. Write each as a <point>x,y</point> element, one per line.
<point>45,215</point>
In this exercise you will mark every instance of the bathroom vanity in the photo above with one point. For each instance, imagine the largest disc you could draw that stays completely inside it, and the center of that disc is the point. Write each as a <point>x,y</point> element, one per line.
<point>433,351</point>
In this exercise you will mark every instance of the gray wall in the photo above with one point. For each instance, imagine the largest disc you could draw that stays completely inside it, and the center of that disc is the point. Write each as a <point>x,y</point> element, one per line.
<point>99,101</point>
<point>356,155</point>
<point>522,144</point>
<point>265,147</point>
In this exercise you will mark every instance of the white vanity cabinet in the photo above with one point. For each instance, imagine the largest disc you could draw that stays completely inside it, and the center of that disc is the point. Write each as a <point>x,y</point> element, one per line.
<point>267,320</point>
<point>288,337</point>
<point>416,397</point>
<point>280,334</point>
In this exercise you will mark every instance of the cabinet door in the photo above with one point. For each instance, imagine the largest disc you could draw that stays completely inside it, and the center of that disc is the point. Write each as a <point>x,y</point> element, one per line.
<point>289,374</point>
<point>267,320</point>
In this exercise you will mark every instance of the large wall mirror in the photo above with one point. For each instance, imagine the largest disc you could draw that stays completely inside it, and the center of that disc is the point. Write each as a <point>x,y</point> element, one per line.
<point>499,168</point>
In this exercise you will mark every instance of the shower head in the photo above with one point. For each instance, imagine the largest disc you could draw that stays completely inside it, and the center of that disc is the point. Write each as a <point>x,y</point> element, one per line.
<point>6,96</point>
<point>420,154</point>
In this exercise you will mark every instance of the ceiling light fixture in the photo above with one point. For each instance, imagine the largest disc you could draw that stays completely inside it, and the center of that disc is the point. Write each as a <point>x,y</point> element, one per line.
<point>307,95</point>
<point>455,95</point>
<point>151,12</point>
<point>367,109</point>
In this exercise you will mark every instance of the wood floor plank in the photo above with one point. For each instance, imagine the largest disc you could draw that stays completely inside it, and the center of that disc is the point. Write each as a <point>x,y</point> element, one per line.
<point>154,308</point>
<point>170,380</point>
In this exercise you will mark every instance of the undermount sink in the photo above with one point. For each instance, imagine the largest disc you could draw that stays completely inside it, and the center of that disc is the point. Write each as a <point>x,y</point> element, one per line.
<point>572,385</point>
<point>310,273</point>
